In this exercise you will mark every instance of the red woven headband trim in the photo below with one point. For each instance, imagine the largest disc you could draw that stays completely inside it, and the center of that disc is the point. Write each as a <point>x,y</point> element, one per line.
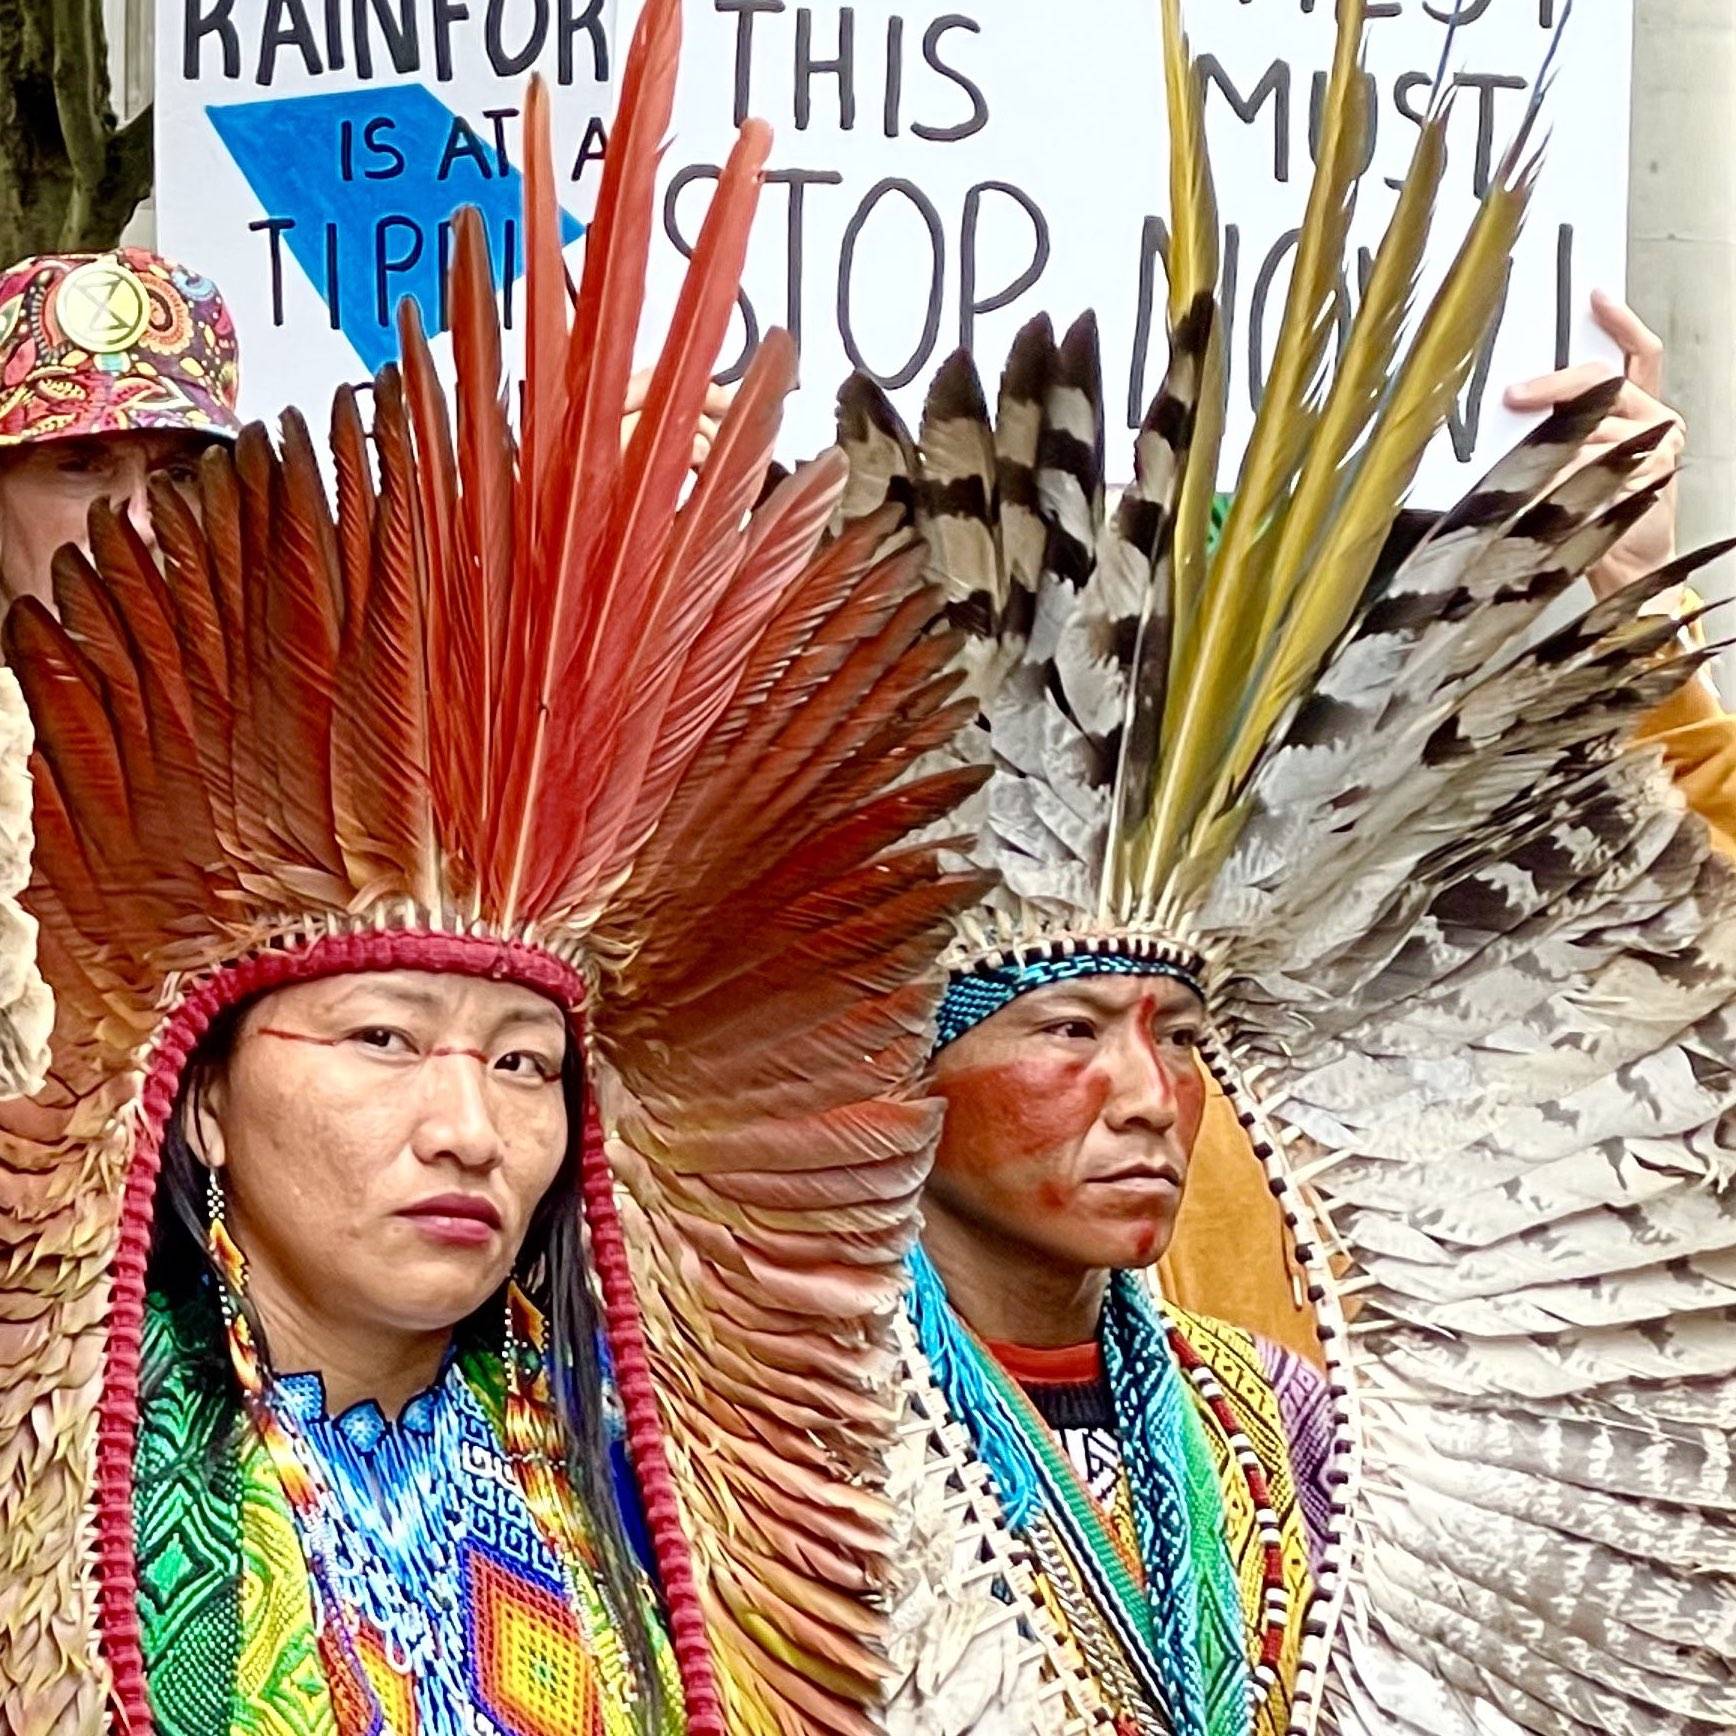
<point>118,1410</point>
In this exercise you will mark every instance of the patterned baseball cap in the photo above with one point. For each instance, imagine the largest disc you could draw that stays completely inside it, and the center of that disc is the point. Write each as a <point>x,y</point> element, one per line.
<point>111,343</point>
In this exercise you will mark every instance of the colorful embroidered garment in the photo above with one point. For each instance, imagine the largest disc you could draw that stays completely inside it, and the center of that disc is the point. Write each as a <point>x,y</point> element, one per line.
<point>468,1615</point>
<point>1152,1556</point>
<point>525,704</point>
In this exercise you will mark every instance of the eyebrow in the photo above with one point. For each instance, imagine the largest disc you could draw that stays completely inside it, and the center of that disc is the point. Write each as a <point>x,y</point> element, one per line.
<point>1184,1004</point>
<point>532,1011</point>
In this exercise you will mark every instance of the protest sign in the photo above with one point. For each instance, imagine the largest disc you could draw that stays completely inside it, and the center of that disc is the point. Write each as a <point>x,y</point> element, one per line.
<point>942,173</point>
<point>939,174</point>
<point>310,154</point>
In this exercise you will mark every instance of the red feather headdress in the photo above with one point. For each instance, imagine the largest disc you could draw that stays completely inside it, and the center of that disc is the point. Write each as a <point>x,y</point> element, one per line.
<point>526,706</point>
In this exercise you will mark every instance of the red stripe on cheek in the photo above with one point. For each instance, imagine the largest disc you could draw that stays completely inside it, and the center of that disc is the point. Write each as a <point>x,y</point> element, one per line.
<point>333,1042</point>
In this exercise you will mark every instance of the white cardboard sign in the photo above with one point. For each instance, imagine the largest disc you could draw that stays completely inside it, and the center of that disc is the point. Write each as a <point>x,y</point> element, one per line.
<point>941,172</point>
<point>944,171</point>
<point>310,154</point>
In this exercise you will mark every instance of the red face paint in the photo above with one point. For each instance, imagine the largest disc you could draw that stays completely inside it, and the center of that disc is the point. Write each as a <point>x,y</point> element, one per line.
<point>332,1043</point>
<point>1019,1120</point>
<point>1074,1145</point>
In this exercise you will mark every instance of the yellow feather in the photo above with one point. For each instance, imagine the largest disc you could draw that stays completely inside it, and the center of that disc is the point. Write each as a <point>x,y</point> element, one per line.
<point>1193,271</point>
<point>1363,371</point>
<point>1433,375</point>
<point>1434,372</point>
<point>1212,662</point>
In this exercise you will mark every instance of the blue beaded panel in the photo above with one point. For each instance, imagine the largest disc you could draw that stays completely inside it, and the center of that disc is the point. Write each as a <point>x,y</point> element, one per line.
<point>976,995</point>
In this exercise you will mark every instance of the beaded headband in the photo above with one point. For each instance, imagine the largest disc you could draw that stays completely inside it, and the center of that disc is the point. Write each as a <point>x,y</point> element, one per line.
<point>974,995</point>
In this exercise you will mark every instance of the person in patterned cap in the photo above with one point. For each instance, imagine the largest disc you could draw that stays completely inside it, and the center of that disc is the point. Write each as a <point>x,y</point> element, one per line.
<point>114,367</point>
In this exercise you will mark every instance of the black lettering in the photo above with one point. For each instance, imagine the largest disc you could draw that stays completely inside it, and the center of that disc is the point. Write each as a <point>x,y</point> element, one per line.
<point>286,25</point>
<point>1282,249</point>
<point>462,141</point>
<point>509,270</point>
<point>979,108</point>
<point>968,305</point>
<point>505,63</point>
<point>1404,93</point>
<point>333,309</point>
<point>745,11</point>
<point>334,16</point>
<point>1460,11</point>
<point>275,228</point>
<point>936,282</point>
<point>843,67</point>
<point>1153,246</point>
<point>443,251</point>
<point>672,228</point>
<point>592,146</point>
<point>894,104</point>
<point>402,42</point>
<point>204,18</point>
<point>1485,84</point>
<point>498,119</point>
<point>1274,85</point>
<point>798,181</point>
<point>446,14</point>
<point>590,23</point>
<point>1564,302</point>
<point>386,266</point>
<point>373,138</point>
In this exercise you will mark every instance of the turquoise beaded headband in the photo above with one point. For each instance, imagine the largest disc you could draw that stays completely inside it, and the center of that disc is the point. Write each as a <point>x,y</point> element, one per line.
<point>975,995</point>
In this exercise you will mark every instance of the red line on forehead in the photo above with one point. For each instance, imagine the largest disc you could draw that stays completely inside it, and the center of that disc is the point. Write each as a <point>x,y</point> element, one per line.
<point>332,1042</point>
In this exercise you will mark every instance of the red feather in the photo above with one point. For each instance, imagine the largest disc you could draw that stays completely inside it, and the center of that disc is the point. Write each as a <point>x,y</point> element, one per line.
<point>204,658</point>
<point>537,832</point>
<point>469,605</point>
<point>545,310</point>
<point>380,772</point>
<point>615,713</point>
<point>355,475</point>
<point>301,590</point>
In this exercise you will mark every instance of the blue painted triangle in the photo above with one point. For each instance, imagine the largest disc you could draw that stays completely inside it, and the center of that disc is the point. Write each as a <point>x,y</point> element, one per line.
<point>360,185</point>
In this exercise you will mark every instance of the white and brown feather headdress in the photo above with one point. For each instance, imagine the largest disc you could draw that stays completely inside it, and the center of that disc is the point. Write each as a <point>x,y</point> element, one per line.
<point>1470,965</point>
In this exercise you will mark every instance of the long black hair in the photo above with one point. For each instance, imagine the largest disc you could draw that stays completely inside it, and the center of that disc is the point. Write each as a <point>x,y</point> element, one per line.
<point>551,1269</point>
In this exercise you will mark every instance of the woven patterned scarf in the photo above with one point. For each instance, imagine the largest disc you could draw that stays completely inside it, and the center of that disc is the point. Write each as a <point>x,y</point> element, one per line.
<point>1189,1613</point>
<point>1176,1494</point>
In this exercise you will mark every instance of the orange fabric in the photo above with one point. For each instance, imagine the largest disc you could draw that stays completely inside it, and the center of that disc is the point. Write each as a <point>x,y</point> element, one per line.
<point>1230,1255</point>
<point>1070,1365</point>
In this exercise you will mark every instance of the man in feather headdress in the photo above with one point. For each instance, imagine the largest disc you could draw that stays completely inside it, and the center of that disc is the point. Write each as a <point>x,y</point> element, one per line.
<point>114,368</point>
<point>1362,829</point>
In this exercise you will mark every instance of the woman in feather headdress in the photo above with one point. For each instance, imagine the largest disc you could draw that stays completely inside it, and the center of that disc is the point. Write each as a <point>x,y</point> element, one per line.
<point>409,878</point>
<point>1374,843</point>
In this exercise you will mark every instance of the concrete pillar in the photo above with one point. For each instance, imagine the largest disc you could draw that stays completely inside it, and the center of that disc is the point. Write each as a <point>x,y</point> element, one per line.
<point>1682,244</point>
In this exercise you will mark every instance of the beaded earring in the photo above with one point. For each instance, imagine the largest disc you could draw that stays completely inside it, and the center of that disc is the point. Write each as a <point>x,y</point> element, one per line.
<point>531,1430</point>
<point>231,1268</point>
